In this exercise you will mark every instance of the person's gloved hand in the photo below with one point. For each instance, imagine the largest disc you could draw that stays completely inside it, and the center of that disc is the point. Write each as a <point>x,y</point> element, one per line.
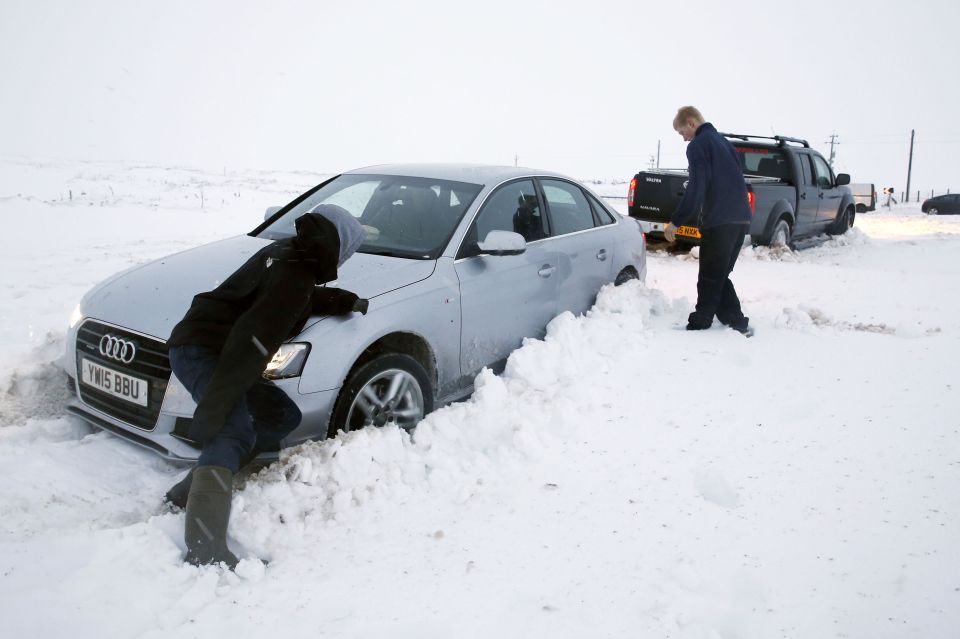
<point>361,306</point>
<point>670,232</point>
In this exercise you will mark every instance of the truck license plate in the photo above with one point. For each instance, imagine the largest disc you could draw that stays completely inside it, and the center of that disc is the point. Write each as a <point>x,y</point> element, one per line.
<point>131,389</point>
<point>689,231</point>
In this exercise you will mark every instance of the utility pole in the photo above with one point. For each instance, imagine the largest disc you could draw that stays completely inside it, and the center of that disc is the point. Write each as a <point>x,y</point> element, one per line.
<point>906,196</point>
<point>833,153</point>
<point>658,154</point>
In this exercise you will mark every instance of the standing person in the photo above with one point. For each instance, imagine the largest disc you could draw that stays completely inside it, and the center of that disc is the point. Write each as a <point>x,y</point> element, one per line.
<point>717,191</point>
<point>221,347</point>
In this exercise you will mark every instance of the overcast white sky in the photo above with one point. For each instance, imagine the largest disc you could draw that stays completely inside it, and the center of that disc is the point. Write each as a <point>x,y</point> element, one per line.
<point>586,88</point>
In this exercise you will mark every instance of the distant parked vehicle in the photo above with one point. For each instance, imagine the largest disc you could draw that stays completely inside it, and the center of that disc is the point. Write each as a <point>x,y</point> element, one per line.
<point>942,205</point>
<point>791,189</point>
<point>864,196</point>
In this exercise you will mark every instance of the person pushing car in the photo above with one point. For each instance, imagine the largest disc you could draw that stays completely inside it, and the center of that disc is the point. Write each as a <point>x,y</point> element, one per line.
<point>220,349</point>
<point>717,190</point>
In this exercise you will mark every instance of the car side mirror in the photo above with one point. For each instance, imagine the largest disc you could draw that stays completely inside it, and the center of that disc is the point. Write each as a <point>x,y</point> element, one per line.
<point>843,179</point>
<point>271,210</point>
<point>502,243</point>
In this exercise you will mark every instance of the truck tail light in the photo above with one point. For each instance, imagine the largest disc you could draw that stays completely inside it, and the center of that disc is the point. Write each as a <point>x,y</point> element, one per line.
<point>752,199</point>
<point>633,190</point>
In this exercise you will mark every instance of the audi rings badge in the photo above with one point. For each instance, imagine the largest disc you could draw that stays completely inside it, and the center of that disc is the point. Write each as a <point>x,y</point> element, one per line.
<point>118,349</point>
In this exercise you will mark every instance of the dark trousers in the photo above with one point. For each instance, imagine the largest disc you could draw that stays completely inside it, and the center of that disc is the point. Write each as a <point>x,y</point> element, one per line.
<point>719,249</point>
<point>258,422</point>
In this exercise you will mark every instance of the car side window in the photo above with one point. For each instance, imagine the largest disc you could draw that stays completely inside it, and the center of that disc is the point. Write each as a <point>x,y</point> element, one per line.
<point>602,214</point>
<point>513,207</point>
<point>569,210</point>
<point>822,171</point>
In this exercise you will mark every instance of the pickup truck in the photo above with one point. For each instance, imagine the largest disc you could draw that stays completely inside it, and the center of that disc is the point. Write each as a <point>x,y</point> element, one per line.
<point>792,190</point>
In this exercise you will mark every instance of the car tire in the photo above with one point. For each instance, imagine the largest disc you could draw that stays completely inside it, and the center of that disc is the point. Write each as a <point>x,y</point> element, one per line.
<point>625,276</point>
<point>389,388</point>
<point>781,235</point>
<point>932,211</point>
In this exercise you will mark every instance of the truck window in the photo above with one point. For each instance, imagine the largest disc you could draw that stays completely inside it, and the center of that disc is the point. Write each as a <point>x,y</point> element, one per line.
<point>804,160</point>
<point>822,171</point>
<point>764,162</point>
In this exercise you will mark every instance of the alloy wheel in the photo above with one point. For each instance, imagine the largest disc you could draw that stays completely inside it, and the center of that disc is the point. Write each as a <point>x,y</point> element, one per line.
<point>393,395</point>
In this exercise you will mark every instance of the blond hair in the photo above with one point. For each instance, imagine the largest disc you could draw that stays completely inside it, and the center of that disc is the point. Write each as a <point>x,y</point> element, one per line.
<point>687,113</point>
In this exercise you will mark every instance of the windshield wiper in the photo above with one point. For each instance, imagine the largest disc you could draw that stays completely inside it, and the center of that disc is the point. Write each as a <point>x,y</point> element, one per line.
<point>389,253</point>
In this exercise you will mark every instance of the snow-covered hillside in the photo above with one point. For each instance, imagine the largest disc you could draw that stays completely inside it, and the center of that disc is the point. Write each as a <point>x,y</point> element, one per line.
<point>622,478</point>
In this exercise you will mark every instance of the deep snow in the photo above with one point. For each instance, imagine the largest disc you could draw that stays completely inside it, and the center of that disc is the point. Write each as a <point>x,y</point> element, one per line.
<point>621,478</point>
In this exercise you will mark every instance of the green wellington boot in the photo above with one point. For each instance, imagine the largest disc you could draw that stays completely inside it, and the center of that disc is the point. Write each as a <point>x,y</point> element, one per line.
<point>208,513</point>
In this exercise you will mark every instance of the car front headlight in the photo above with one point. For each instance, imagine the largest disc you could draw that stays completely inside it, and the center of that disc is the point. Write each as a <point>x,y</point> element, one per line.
<point>287,362</point>
<point>76,316</point>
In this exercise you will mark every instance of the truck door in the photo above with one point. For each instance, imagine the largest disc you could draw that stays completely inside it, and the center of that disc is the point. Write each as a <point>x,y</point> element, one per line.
<point>830,193</point>
<point>808,195</point>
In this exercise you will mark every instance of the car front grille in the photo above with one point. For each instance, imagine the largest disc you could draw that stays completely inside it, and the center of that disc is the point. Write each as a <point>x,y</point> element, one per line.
<point>151,363</point>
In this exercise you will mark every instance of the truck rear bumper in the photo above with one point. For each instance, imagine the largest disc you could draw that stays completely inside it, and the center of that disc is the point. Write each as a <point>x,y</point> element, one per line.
<point>655,230</point>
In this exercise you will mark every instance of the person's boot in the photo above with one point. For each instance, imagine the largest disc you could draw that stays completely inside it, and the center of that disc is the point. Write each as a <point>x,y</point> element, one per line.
<point>208,513</point>
<point>177,495</point>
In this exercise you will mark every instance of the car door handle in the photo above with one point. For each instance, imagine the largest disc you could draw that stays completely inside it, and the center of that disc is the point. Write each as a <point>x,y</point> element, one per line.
<point>821,196</point>
<point>546,270</point>
<point>602,255</point>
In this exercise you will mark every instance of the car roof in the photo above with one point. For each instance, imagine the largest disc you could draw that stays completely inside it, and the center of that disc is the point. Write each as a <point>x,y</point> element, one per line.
<point>484,174</point>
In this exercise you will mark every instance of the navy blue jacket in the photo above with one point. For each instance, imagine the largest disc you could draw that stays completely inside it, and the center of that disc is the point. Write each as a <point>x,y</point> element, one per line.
<point>716,183</point>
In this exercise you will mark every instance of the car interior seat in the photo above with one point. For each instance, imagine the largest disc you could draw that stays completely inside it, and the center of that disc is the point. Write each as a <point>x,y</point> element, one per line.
<point>526,221</point>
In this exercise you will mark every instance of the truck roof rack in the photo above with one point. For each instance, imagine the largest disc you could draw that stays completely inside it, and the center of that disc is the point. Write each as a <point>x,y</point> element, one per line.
<point>780,139</point>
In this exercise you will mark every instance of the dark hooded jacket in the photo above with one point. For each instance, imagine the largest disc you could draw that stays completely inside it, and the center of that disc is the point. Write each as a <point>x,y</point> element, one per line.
<point>262,304</point>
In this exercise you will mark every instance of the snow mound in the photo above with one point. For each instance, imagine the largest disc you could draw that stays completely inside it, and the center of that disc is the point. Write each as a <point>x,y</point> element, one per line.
<point>812,248</point>
<point>770,253</point>
<point>38,388</point>
<point>853,237</point>
<point>455,451</point>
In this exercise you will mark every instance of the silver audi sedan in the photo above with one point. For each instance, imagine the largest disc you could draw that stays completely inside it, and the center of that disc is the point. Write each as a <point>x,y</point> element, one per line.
<point>460,263</point>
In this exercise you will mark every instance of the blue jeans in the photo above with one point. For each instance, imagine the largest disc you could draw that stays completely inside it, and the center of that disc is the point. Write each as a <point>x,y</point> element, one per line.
<point>258,422</point>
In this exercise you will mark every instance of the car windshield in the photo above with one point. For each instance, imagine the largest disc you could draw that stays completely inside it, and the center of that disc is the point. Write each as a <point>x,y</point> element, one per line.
<point>411,217</point>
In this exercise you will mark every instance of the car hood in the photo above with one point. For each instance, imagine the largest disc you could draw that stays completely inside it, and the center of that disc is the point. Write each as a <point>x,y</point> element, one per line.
<point>153,297</point>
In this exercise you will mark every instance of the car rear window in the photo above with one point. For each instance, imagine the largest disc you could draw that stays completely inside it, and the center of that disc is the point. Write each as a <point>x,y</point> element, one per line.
<point>764,162</point>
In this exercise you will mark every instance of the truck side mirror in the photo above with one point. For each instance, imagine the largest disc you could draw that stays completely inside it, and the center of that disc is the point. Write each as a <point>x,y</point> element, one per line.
<point>843,179</point>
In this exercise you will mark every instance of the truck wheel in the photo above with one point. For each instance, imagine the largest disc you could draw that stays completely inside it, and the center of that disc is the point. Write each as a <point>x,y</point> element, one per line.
<point>843,223</point>
<point>780,236</point>
<point>388,388</point>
